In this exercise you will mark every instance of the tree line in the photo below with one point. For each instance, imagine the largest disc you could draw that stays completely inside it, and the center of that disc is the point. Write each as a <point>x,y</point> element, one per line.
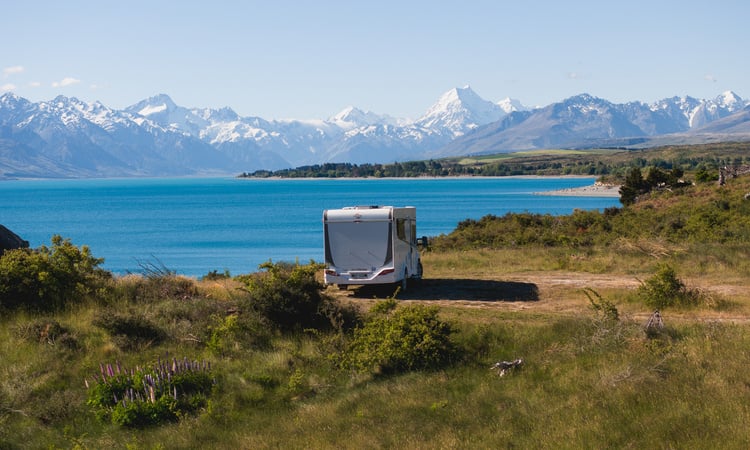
<point>614,166</point>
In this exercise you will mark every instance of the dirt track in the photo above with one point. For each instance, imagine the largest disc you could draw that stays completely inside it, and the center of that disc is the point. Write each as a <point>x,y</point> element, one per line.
<point>548,292</point>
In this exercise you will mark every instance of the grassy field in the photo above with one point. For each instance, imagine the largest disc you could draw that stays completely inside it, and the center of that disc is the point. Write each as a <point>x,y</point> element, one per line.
<point>556,153</point>
<point>590,377</point>
<point>585,381</point>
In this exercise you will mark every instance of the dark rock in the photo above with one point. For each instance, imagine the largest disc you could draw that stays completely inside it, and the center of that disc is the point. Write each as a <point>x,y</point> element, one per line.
<point>10,240</point>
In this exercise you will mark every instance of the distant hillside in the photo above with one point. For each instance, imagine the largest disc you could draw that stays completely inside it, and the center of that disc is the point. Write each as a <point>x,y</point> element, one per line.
<point>611,163</point>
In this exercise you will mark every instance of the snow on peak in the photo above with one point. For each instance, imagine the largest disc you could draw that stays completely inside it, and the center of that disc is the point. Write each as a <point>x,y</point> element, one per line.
<point>348,114</point>
<point>152,109</point>
<point>154,105</point>
<point>510,105</point>
<point>729,99</point>
<point>464,95</point>
<point>10,99</point>
<point>352,117</point>
<point>461,109</point>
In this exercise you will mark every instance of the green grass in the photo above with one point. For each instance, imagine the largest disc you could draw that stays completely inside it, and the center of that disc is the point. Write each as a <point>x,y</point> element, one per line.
<point>584,383</point>
<point>487,159</point>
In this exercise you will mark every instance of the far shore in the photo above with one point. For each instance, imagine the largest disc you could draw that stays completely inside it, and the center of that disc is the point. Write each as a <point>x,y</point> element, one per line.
<point>420,177</point>
<point>595,190</point>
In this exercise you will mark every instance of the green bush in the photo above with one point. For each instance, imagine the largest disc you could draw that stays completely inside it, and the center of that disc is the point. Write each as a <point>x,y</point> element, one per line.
<point>398,340</point>
<point>704,176</point>
<point>46,279</point>
<point>290,297</point>
<point>664,289</point>
<point>231,334</point>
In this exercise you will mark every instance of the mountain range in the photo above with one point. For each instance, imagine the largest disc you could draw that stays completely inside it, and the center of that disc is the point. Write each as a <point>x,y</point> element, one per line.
<point>66,137</point>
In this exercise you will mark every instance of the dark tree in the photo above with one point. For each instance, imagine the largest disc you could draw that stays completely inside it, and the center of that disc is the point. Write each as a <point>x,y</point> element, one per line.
<point>633,186</point>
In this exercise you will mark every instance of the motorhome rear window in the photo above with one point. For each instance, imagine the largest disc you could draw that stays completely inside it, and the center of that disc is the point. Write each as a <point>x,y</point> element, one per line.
<point>358,245</point>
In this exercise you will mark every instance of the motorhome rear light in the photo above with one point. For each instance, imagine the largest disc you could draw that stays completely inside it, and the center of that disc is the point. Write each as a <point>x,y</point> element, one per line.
<point>386,272</point>
<point>330,272</point>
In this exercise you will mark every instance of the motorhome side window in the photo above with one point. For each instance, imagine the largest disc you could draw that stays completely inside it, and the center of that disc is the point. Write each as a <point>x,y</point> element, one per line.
<point>401,229</point>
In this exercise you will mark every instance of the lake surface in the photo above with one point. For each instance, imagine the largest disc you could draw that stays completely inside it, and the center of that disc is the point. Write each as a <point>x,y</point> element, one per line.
<point>196,225</point>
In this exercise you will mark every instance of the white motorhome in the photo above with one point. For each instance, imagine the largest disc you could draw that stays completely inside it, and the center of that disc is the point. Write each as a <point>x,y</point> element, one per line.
<point>371,245</point>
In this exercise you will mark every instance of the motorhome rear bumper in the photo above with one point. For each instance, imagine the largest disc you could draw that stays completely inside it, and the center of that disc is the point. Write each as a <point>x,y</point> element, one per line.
<point>384,276</point>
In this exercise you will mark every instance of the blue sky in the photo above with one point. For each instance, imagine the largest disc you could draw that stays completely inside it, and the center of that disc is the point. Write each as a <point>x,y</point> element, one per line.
<point>311,59</point>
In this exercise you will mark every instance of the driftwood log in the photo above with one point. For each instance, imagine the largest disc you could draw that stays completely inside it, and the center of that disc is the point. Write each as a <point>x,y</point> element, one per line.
<point>655,322</point>
<point>504,367</point>
<point>728,172</point>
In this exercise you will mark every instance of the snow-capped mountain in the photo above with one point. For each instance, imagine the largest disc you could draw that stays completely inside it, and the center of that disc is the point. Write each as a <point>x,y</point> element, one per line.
<point>509,105</point>
<point>459,111</point>
<point>585,121</point>
<point>456,113</point>
<point>162,110</point>
<point>66,137</point>
<point>351,117</point>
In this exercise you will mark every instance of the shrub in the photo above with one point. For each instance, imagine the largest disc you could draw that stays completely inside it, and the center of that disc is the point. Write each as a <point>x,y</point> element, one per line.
<point>290,297</point>
<point>605,309</point>
<point>704,176</point>
<point>154,287</point>
<point>129,331</point>
<point>215,275</point>
<point>664,289</point>
<point>47,332</point>
<point>229,334</point>
<point>49,278</point>
<point>150,396</point>
<point>401,339</point>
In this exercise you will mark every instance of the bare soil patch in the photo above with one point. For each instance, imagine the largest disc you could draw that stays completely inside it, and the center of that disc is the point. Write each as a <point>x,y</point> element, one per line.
<point>540,291</point>
<point>558,292</point>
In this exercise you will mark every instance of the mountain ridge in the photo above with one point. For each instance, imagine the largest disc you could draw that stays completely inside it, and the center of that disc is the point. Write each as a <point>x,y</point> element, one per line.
<point>66,137</point>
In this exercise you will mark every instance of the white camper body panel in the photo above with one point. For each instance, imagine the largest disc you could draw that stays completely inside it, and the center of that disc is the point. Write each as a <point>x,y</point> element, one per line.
<point>371,245</point>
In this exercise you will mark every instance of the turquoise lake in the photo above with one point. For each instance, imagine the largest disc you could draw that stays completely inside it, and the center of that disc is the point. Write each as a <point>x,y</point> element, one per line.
<point>196,225</point>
